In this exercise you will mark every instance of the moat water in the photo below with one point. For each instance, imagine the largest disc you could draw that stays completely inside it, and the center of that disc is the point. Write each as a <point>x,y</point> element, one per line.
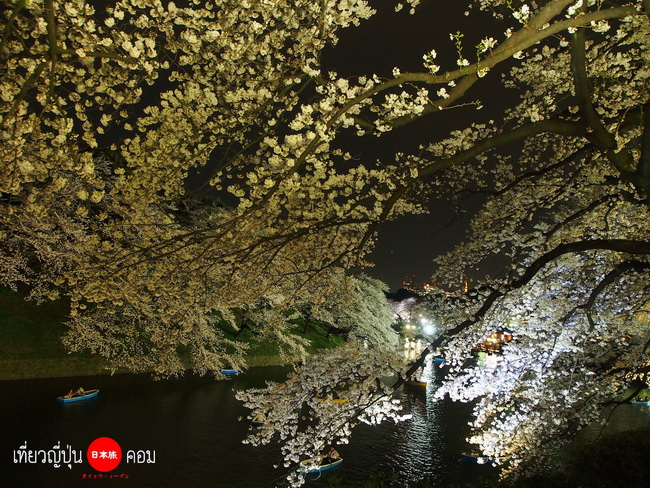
<point>194,427</point>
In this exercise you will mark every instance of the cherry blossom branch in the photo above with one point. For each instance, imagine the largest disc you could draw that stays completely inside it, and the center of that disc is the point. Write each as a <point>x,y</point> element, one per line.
<point>10,22</point>
<point>557,126</point>
<point>611,277</point>
<point>599,135</point>
<point>525,38</point>
<point>23,91</point>
<point>55,49</point>
<point>580,213</point>
<point>617,245</point>
<point>643,169</point>
<point>258,248</point>
<point>554,126</point>
<point>99,54</point>
<point>583,151</point>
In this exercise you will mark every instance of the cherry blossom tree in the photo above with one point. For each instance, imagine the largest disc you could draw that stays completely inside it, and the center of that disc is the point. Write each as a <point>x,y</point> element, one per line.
<point>356,307</point>
<point>568,206</point>
<point>571,213</point>
<point>105,113</point>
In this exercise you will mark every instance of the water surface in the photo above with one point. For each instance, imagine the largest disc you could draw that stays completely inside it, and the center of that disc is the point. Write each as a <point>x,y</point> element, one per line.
<point>196,429</point>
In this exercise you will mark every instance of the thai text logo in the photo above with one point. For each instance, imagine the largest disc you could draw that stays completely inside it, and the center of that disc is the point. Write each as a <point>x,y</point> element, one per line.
<point>103,454</point>
<point>56,456</point>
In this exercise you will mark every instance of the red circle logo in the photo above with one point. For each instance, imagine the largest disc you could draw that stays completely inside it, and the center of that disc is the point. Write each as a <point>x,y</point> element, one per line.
<point>104,454</point>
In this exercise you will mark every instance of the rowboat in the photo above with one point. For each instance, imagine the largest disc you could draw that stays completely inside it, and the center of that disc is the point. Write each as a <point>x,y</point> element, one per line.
<point>475,458</point>
<point>230,372</point>
<point>416,383</point>
<point>332,400</point>
<point>78,397</point>
<point>469,458</point>
<point>640,403</point>
<point>258,421</point>
<point>309,465</point>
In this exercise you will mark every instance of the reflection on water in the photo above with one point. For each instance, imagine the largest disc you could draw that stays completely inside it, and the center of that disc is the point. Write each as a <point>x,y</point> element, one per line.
<point>194,426</point>
<point>426,447</point>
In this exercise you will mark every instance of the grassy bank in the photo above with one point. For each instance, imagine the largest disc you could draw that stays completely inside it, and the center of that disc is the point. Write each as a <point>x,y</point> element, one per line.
<point>30,343</point>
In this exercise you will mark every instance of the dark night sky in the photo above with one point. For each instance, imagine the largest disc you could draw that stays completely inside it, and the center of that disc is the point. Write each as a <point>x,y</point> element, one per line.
<point>389,39</point>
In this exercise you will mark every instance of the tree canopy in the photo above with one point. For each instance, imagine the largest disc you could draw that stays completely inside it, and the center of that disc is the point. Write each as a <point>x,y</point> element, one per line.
<point>105,115</point>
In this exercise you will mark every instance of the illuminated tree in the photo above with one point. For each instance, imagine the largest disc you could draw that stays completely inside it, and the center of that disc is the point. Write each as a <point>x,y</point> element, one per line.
<point>355,307</point>
<point>569,206</point>
<point>236,89</point>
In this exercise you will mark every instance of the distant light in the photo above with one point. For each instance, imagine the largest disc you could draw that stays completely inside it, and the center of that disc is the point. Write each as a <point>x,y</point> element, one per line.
<point>428,329</point>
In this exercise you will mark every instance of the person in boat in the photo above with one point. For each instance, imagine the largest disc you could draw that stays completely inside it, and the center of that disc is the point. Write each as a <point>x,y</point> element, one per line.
<point>81,391</point>
<point>330,457</point>
<point>69,394</point>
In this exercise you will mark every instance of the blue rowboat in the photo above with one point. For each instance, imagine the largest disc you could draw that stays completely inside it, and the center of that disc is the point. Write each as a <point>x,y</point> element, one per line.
<point>475,458</point>
<point>640,403</point>
<point>78,397</point>
<point>258,421</point>
<point>230,372</point>
<point>308,466</point>
<point>469,458</point>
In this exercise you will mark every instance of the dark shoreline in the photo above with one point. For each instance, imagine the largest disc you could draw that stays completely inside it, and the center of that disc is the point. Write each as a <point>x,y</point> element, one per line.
<point>69,367</point>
